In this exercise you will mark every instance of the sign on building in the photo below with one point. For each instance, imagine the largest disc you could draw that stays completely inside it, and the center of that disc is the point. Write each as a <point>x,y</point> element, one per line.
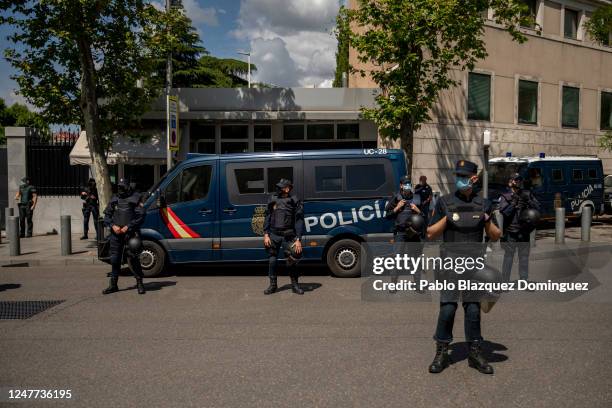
<point>173,128</point>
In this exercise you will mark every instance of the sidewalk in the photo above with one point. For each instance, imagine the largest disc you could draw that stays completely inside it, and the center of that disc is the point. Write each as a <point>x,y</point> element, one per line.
<point>45,250</point>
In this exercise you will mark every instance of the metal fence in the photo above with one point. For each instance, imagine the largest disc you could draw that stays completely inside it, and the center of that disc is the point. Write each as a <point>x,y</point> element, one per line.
<point>48,164</point>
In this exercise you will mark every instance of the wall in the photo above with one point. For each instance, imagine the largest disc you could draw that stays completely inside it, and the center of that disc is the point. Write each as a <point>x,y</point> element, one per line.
<point>3,184</point>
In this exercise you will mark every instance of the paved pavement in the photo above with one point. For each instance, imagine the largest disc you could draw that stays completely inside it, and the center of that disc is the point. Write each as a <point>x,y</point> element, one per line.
<point>44,250</point>
<point>203,340</point>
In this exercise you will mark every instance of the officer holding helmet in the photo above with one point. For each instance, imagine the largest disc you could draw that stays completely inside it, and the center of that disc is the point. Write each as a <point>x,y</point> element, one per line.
<point>283,228</point>
<point>403,208</point>
<point>124,215</point>
<point>462,216</point>
<point>520,210</point>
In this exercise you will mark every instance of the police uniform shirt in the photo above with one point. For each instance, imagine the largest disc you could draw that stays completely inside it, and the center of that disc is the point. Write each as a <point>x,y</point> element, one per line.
<point>424,192</point>
<point>284,213</point>
<point>457,205</point>
<point>27,192</point>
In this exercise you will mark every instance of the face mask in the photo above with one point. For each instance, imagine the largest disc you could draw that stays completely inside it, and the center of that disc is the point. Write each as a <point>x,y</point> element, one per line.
<point>406,187</point>
<point>463,183</point>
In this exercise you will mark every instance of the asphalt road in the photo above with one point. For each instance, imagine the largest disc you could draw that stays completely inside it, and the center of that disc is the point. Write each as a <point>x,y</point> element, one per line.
<point>212,339</point>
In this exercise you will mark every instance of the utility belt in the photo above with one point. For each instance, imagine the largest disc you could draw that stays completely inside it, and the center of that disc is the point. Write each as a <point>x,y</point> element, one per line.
<point>286,233</point>
<point>29,204</point>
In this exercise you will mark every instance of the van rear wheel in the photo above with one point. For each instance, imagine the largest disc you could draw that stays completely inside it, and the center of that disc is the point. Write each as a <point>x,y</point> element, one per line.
<point>344,258</point>
<point>152,259</point>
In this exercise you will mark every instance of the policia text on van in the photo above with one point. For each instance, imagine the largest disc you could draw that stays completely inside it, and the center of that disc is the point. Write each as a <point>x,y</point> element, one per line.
<point>211,208</point>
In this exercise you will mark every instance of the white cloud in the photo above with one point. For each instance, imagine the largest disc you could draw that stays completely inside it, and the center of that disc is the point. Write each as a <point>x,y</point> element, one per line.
<point>296,33</point>
<point>200,15</point>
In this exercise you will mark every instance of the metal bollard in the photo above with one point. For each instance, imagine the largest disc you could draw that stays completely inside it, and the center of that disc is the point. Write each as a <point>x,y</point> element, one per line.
<point>585,223</point>
<point>100,231</point>
<point>559,225</point>
<point>499,218</point>
<point>8,212</point>
<point>13,231</point>
<point>65,235</point>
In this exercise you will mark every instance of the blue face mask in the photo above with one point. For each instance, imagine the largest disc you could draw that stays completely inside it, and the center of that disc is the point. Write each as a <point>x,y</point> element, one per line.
<point>463,183</point>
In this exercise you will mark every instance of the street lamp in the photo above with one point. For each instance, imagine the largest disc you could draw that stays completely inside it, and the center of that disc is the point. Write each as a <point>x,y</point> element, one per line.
<point>248,54</point>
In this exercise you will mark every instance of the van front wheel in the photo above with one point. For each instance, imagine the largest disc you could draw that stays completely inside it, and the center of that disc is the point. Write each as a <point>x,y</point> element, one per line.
<point>152,259</point>
<point>344,258</point>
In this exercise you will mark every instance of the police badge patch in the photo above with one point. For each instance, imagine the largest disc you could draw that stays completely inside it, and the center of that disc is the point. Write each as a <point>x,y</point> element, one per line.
<point>257,222</point>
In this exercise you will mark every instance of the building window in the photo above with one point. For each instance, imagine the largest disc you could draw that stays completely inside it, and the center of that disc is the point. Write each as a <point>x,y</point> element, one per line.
<point>570,107</point>
<point>348,131</point>
<point>606,111</point>
<point>293,132</point>
<point>479,96</point>
<point>528,102</point>
<point>320,131</point>
<point>262,131</point>
<point>532,11</point>
<point>570,24</point>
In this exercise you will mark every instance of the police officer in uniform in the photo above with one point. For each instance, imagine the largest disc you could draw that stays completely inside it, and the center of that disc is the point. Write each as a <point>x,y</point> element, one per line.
<point>520,210</point>
<point>424,191</point>
<point>124,215</point>
<point>91,206</point>
<point>409,223</point>
<point>26,199</point>
<point>461,217</point>
<point>283,228</point>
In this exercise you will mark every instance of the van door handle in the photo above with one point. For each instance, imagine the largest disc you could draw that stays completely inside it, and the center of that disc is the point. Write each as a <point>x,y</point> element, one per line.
<point>229,210</point>
<point>205,211</point>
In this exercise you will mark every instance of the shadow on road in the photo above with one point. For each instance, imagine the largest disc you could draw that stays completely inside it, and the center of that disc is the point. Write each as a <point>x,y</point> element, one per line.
<point>459,351</point>
<point>7,286</point>
<point>305,286</point>
<point>152,286</point>
<point>260,269</point>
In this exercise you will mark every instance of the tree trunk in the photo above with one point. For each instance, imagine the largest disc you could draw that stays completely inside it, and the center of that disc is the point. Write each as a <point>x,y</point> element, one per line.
<point>89,107</point>
<point>406,144</point>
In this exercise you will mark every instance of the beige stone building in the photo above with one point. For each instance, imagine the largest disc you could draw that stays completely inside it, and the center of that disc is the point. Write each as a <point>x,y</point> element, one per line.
<point>552,94</point>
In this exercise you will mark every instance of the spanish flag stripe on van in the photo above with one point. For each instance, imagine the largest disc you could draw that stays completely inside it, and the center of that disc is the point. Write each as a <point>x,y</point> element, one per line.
<point>176,226</point>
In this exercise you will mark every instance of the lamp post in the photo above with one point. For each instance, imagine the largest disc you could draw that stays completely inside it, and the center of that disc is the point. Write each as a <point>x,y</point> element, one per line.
<point>169,4</point>
<point>486,142</point>
<point>248,54</point>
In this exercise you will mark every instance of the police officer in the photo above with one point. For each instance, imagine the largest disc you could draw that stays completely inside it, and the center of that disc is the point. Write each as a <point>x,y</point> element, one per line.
<point>91,206</point>
<point>461,217</point>
<point>26,198</point>
<point>283,228</point>
<point>403,208</point>
<point>124,215</point>
<point>424,191</point>
<point>517,206</point>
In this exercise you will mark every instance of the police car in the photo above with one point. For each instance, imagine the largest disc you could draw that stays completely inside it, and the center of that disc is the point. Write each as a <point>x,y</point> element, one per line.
<point>569,181</point>
<point>210,208</point>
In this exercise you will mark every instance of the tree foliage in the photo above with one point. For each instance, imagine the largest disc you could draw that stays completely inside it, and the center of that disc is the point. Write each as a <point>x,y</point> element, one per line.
<point>414,45</point>
<point>342,33</point>
<point>599,26</point>
<point>18,115</point>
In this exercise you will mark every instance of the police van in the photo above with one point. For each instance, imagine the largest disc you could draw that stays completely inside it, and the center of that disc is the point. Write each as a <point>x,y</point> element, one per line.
<point>569,181</point>
<point>210,208</point>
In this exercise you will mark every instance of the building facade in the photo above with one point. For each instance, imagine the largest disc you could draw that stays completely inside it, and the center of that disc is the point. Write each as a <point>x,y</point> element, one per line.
<point>552,94</point>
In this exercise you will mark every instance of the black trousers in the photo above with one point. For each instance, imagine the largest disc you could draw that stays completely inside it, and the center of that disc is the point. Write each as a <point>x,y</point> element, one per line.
<point>117,249</point>
<point>25,216</point>
<point>446,321</point>
<point>513,242</point>
<point>280,242</point>
<point>87,211</point>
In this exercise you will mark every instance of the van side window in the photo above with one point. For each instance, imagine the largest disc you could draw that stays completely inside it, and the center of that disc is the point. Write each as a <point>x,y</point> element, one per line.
<point>535,177</point>
<point>365,177</point>
<point>557,176</point>
<point>192,184</point>
<point>277,173</point>
<point>577,175</point>
<point>250,181</point>
<point>328,178</point>
<point>593,174</point>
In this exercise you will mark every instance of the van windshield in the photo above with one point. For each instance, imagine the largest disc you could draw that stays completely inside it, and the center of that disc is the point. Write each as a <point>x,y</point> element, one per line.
<point>500,173</point>
<point>156,185</point>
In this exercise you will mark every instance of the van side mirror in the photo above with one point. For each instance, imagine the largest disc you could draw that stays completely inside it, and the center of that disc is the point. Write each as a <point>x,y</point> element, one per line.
<point>161,199</point>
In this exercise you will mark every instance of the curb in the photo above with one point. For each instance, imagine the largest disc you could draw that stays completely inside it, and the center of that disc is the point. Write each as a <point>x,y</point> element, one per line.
<point>28,262</point>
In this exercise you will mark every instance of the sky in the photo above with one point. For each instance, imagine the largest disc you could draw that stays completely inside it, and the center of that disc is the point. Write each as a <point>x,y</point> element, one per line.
<point>291,41</point>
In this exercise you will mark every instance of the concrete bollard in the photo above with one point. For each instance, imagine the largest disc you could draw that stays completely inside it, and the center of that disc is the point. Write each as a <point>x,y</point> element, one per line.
<point>100,233</point>
<point>585,223</point>
<point>532,239</point>
<point>13,231</point>
<point>8,212</point>
<point>499,218</point>
<point>559,225</point>
<point>65,235</point>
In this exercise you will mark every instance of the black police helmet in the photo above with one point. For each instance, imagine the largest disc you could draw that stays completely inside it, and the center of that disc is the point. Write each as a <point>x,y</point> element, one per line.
<point>530,216</point>
<point>123,185</point>
<point>417,222</point>
<point>134,245</point>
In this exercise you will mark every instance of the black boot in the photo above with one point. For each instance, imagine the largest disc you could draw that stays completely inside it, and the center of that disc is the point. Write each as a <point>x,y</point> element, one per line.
<point>112,286</point>
<point>272,288</point>
<point>140,286</point>
<point>477,360</point>
<point>441,359</point>
<point>295,286</point>
<point>83,237</point>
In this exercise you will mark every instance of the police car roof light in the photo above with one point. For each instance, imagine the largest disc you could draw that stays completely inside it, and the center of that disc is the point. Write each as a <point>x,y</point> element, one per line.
<point>542,155</point>
<point>508,154</point>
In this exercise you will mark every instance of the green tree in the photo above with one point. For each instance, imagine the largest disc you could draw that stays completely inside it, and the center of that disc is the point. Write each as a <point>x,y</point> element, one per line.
<point>415,45</point>
<point>222,72</point>
<point>79,61</point>
<point>599,26</point>
<point>342,33</point>
<point>19,115</point>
